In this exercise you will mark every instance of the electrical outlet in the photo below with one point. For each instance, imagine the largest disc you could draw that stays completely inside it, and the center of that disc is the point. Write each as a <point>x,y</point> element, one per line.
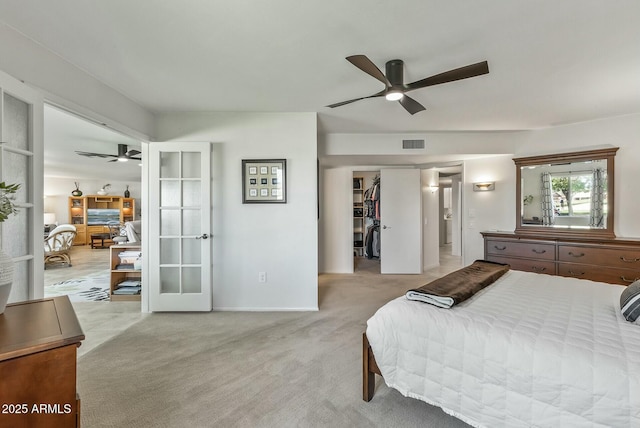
<point>262,277</point>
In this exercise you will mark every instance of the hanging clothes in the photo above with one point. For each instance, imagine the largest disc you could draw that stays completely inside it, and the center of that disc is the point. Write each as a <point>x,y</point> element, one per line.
<point>372,242</point>
<point>372,200</point>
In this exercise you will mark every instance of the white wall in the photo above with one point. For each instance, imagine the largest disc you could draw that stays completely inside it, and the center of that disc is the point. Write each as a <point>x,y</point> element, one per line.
<point>335,226</point>
<point>279,239</point>
<point>58,190</point>
<point>430,219</point>
<point>456,218</point>
<point>487,210</point>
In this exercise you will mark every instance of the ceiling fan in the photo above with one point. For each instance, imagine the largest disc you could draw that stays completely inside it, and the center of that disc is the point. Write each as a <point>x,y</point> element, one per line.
<point>394,86</point>
<point>122,156</point>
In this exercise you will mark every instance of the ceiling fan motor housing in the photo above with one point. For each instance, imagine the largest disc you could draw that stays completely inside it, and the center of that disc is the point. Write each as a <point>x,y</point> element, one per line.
<point>395,73</point>
<point>122,150</point>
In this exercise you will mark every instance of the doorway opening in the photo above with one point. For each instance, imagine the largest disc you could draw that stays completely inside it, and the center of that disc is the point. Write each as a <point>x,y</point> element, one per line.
<point>366,221</point>
<point>440,226</point>
<point>86,193</point>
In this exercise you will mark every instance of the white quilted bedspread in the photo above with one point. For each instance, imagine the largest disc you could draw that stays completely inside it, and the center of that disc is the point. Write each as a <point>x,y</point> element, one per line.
<point>529,350</point>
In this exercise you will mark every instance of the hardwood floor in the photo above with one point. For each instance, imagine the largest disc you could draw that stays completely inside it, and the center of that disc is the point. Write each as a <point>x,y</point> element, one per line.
<point>84,261</point>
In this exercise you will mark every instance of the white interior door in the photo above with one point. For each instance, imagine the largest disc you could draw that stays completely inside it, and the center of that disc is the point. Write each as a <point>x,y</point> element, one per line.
<point>21,151</point>
<point>400,221</point>
<point>179,243</point>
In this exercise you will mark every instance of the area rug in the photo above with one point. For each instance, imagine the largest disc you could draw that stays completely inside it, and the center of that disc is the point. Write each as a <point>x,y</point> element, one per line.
<point>90,288</point>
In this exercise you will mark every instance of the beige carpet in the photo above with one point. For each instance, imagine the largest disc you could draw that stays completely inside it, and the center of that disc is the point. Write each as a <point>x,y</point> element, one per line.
<point>252,369</point>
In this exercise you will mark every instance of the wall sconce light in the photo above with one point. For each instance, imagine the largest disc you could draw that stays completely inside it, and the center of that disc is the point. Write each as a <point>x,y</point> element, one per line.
<point>486,186</point>
<point>433,189</point>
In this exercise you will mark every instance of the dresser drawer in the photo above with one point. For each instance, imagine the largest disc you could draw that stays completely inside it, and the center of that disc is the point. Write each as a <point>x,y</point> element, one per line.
<point>598,273</point>
<point>608,257</point>
<point>533,250</point>
<point>527,265</point>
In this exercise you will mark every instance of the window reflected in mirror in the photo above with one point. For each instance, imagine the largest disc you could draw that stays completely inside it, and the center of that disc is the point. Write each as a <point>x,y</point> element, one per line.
<point>570,193</point>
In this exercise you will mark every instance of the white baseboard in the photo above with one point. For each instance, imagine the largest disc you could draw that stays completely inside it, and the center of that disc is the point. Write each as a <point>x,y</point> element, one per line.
<point>247,309</point>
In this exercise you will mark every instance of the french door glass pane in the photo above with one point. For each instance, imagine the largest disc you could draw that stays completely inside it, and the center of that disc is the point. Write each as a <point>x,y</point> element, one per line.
<point>169,165</point>
<point>16,170</point>
<point>169,279</point>
<point>191,282</point>
<point>169,222</point>
<point>169,193</point>
<point>191,165</point>
<point>169,251</point>
<point>191,249</point>
<point>16,233</point>
<point>191,193</point>
<point>190,222</point>
<point>16,123</point>
<point>21,276</point>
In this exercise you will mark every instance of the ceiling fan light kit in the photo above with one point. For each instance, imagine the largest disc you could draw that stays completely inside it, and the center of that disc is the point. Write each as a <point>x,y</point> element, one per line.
<point>394,95</point>
<point>395,89</point>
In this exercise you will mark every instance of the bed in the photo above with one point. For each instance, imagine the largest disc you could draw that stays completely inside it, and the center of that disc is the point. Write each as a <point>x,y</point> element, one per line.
<point>528,350</point>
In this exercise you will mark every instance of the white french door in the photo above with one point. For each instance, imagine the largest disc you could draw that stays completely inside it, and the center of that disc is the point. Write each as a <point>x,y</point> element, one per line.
<point>21,152</point>
<point>400,221</point>
<point>179,242</point>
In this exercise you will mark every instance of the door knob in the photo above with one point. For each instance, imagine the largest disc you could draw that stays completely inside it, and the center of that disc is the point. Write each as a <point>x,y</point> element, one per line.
<point>203,236</point>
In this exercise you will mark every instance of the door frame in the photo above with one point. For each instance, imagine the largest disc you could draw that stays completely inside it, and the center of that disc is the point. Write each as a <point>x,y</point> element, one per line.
<point>35,218</point>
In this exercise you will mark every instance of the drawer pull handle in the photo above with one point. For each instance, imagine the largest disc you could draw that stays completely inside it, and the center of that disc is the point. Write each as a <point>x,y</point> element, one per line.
<point>628,280</point>
<point>539,251</point>
<point>500,248</point>
<point>576,255</point>
<point>538,269</point>
<point>629,260</point>
<point>575,273</point>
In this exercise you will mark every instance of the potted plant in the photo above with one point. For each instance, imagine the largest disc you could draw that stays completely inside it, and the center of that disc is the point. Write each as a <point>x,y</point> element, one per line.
<point>7,208</point>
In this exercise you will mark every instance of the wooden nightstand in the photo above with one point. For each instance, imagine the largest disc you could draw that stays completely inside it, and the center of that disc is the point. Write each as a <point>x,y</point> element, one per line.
<point>38,343</point>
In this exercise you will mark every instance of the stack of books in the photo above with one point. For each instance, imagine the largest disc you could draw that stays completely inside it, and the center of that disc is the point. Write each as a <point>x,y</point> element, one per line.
<point>129,286</point>
<point>129,260</point>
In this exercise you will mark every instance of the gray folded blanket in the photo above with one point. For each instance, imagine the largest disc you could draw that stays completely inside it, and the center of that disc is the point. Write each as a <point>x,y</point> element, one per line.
<point>460,285</point>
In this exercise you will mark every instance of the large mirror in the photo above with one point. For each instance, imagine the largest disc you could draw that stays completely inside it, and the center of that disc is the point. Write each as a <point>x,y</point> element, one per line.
<point>567,193</point>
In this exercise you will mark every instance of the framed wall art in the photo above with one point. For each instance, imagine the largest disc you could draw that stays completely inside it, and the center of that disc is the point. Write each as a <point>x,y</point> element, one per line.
<point>264,181</point>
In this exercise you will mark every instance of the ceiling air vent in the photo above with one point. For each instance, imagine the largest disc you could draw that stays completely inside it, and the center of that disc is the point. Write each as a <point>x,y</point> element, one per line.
<point>413,144</point>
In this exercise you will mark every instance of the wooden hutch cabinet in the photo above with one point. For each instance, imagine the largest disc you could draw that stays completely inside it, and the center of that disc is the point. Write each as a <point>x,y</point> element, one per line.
<point>88,221</point>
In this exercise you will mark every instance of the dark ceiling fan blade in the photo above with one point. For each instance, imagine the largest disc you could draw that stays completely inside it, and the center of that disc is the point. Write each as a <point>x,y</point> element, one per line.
<point>465,72</point>
<point>411,105</point>
<point>379,94</point>
<point>133,152</point>
<point>93,155</point>
<point>365,64</point>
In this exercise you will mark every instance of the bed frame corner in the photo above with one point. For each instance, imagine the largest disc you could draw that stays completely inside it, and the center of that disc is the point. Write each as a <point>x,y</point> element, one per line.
<point>369,370</point>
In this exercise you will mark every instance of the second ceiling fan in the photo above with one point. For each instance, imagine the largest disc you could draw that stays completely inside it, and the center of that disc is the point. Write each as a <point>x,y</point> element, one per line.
<point>123,154</point>
<point>395,88</point>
